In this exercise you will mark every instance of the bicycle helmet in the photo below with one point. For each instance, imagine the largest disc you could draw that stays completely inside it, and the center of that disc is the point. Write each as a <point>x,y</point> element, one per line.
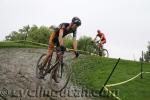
<point>98,31</point>
<point>76,21</point>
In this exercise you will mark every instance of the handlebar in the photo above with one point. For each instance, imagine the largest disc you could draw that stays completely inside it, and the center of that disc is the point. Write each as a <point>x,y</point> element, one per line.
<point>99,41</point>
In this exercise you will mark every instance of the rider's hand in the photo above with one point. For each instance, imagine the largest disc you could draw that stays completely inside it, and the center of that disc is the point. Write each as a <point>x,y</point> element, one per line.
<point>62,48</point>
<point>92,41</point>
<point>77,54</point>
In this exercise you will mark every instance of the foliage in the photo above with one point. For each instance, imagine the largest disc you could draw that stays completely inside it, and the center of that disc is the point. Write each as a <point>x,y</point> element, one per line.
<point>40,35</point>
<point>68,41</point>
<point>83,43</point>
<point>34,33</point>
<point>147,53</point>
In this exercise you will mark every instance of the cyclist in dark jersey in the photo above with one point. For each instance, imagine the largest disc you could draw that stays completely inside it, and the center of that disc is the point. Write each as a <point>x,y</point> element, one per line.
<point>56,38</point>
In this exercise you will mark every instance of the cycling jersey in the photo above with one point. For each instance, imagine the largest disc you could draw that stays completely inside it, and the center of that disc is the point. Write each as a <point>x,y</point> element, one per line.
<point>67,31</point>
<point>100,35</point>
<point>53,40</point>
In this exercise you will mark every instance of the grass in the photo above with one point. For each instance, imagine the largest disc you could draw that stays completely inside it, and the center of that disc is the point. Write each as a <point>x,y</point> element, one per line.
<point>20,44</point>
<point>92,72</point>
<point>138,89</point>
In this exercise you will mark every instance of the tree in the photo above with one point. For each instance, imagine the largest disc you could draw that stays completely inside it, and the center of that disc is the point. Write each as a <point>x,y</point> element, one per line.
<point>147,53</point>
<point>14,35</point>
<point>83,42</point>
<point>25,31</point>
<point>40,35</point>
<point>31,33</point>
<point>53,27</point>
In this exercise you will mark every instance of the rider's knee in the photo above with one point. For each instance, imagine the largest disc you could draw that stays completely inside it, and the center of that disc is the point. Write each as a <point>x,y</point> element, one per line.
<point>49,53</point>
<point>50,47</point>
<point>104,41</point>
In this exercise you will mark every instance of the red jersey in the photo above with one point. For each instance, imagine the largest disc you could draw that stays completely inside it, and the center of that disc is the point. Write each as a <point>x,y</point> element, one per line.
<point>102,36</point>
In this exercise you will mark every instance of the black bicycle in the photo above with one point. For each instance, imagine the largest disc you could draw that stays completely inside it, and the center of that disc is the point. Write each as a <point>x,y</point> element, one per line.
<point>62,70</point>
<point>93,47</point>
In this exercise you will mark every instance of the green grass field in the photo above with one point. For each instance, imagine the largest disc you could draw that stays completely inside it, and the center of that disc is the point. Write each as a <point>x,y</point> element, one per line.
<point>20,44</point>
<point>92,72</point>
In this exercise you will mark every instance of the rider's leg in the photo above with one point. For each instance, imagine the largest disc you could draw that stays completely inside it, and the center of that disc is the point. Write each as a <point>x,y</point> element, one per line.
<point>54,76</point>
<point>56,68</point>
<point>101,44</point>
<point>49,53</point>
<point>50,49</point>
<point>101,47</point>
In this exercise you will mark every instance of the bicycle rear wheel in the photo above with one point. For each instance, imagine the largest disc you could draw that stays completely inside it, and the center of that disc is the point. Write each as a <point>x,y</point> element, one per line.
<point>63,76</point>
<point>105,53</point>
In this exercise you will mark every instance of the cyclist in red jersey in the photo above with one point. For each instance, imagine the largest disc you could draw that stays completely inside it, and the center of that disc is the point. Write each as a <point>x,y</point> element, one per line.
<point>102,38</point>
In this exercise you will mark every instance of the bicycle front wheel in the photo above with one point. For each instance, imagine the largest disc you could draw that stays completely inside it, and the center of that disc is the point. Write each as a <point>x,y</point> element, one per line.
<point>39,64</point>
<point>39,69</point>
<point>63,75</point>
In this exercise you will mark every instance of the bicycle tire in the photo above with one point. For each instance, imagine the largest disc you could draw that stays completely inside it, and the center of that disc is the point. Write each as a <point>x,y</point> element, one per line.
<point>105,53</point>
<point>58,87</point>
<point>38,65</point>
<point>92,49</point>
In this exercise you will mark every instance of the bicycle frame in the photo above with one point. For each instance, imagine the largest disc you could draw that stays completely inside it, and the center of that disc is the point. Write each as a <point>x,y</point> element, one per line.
<point>59,59</point>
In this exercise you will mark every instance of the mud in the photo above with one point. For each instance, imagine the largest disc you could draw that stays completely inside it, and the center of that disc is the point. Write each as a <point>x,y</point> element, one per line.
<point>18,78</point>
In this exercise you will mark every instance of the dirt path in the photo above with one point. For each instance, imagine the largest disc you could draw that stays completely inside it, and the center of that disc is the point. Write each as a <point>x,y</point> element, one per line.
<point>18,80</point>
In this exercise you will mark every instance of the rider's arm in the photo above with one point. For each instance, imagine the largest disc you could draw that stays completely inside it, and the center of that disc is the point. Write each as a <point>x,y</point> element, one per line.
<point>75,45</point>
<point>61,42</point>
<point>102,36</point>
<point>95,38</point>
<point>74,42</point>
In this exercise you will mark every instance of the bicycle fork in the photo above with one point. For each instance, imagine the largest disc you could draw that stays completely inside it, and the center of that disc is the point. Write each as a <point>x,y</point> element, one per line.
<point>61,66</point>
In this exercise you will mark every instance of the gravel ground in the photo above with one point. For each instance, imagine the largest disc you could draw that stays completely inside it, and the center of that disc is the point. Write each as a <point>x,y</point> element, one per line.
<point>18,80</point>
